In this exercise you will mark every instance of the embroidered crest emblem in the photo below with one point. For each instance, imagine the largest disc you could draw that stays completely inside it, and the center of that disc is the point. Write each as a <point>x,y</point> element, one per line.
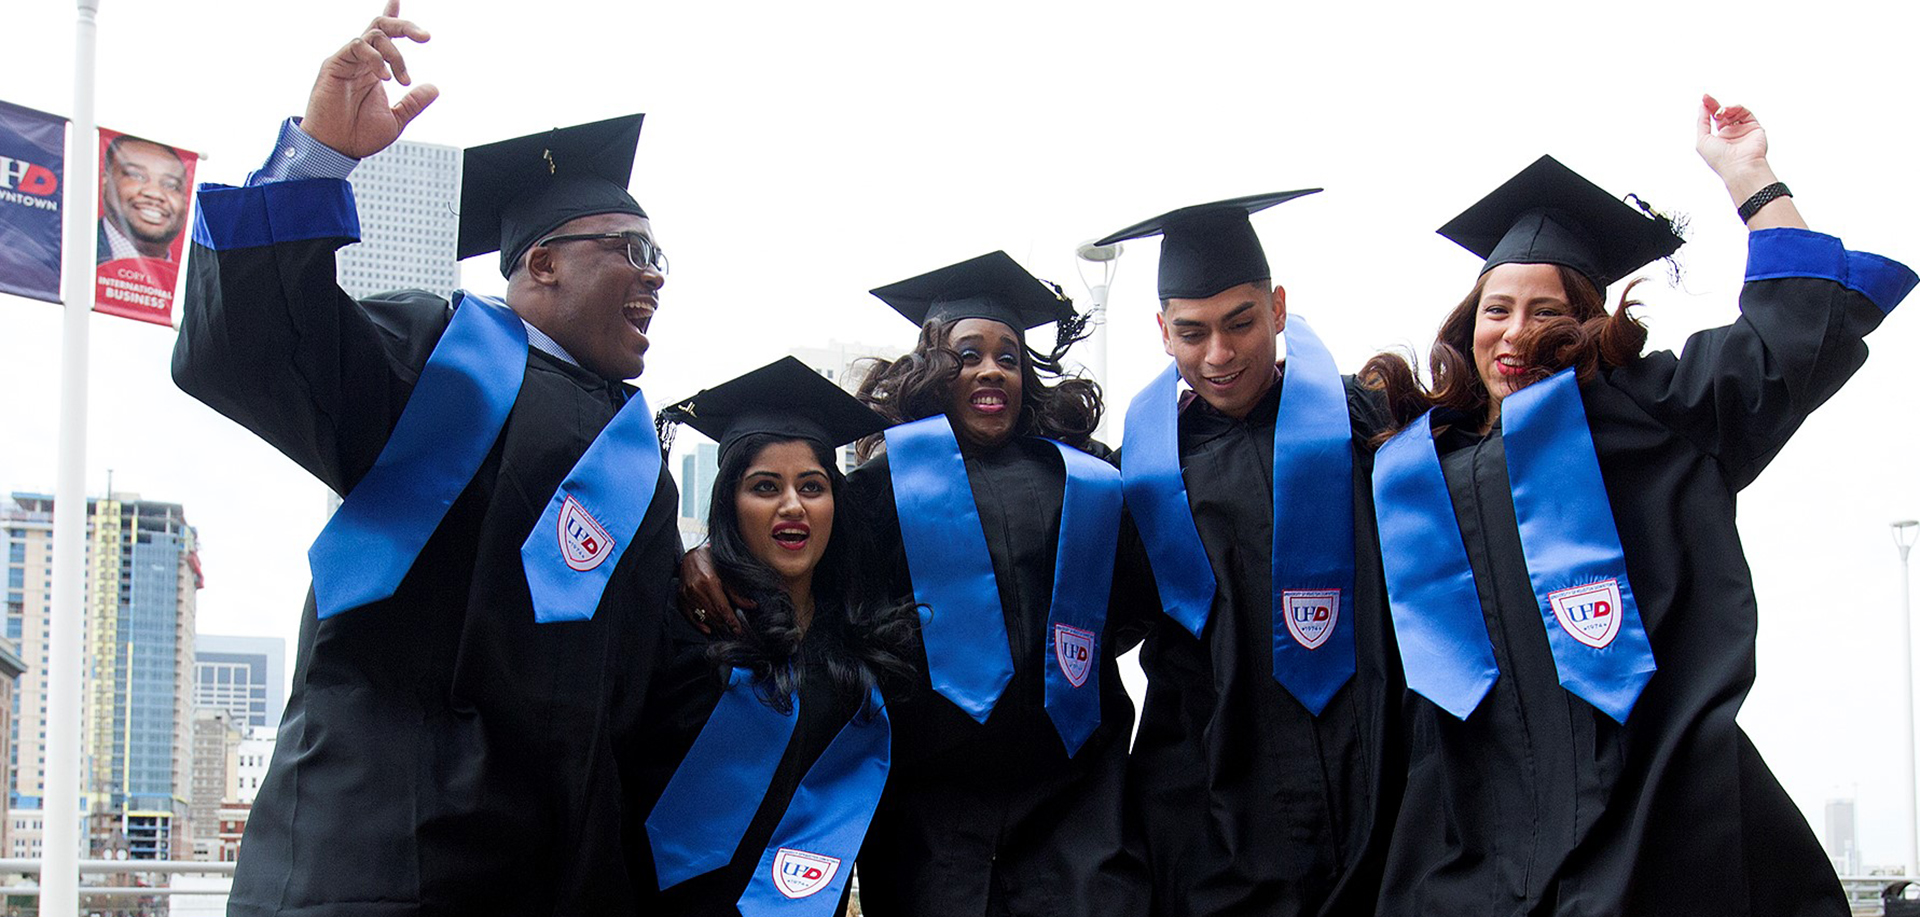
<point>584,542</point>
<point>1073,649</point>
<point>1590,613</point>
<point>1311,614</point>
<point>797,873</point>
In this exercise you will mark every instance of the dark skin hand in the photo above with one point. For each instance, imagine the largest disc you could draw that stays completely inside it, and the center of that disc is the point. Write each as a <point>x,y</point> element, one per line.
<point>703,599</point>
<point>348,108</point>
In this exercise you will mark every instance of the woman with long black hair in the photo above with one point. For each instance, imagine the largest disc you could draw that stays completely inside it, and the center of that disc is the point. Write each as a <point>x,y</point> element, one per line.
<point>780,741</point>
<point>1572,606</point>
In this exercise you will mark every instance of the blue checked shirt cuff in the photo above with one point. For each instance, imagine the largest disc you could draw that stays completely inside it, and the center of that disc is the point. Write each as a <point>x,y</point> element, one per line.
<point>296,156</point>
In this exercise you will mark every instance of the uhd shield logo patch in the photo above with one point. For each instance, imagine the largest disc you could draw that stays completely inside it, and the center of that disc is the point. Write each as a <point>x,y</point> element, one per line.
<point>797,873</point>
<point>1311,614</point>
<point>1590,613</point>
<point>584,542</point>
<point>1073,649</point>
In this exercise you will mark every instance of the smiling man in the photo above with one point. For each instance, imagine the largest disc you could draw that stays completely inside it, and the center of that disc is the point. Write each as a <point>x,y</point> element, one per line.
<point>488,602</point>
<point>1265,769</point>
<point>143,189</point>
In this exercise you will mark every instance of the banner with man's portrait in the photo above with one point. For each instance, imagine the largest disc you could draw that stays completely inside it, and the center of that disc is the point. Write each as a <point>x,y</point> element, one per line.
<point>33,150</point>
<point>145,190</point>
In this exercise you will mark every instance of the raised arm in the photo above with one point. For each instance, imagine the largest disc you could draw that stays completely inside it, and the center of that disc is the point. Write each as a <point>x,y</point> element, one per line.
<point>1739,392</point>
<point>267,336</point>
<point>1734,145</point>
<point>348,109</point>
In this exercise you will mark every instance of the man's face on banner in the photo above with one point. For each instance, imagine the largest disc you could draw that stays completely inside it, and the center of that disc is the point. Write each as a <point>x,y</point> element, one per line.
<point>145,193</point>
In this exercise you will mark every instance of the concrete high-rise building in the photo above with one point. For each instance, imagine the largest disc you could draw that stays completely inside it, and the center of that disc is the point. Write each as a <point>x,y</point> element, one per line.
<point>11,668</point>
<point>1843,841</point>
<point>243,675</point>
<point>143,578</point>
<point>408,196</point>
<point>26,534</point>
<point>698,465</point>
<point>216,767</point>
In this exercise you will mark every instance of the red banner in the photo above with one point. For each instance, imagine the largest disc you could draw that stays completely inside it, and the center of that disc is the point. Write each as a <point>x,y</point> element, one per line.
<point>145,190</point>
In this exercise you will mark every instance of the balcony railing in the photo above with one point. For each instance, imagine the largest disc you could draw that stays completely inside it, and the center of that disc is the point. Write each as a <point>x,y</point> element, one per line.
<point>13,866</point>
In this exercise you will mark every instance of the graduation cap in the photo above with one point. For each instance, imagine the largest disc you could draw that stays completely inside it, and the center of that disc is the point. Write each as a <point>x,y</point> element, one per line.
<point>516,191</point>
<point>1209,247</point>
<point>1549,214</point>
<point>992,286</point>
<point>785,398</point>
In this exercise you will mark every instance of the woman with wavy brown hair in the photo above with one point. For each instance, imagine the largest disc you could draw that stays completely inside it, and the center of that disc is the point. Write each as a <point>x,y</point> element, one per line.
<point>1569,596</point>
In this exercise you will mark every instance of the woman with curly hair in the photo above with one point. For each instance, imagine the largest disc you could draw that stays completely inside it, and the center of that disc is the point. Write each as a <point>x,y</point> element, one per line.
<point>779,738</point>
<point>1003,519</point>
<point>1573,610</point>
<point>992,509</point>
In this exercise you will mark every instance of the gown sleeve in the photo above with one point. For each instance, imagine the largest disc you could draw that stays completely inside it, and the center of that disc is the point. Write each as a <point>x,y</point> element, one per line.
<point>268,338</point>
<point>1738,392</point>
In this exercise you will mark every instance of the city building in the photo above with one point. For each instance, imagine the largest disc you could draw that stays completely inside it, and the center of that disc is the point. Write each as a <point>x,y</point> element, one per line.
<point>255,751</point>
<point>26,535</point>
<point>25,830</point>
<point>216,764</point>
<point>408,196</point>
<point>243,675</point>
<point>1843,841</point>
<point>11,668</point>
<point>142,583</point>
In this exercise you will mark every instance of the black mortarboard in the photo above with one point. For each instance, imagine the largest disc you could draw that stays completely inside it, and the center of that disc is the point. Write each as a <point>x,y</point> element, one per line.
<point>1549,214</point>
<point>991,286</point>
<point>515,191</point>
<point>1207,248</point>
<point>784,398</point>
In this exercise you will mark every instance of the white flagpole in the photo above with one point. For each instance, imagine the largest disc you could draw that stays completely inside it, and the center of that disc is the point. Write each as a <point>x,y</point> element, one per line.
<point>60,866</point>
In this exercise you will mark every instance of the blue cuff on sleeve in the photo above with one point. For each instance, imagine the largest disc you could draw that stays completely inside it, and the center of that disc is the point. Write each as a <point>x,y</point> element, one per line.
<point>287,211</point>
<point>297,156</point>
<point>1789,252</point>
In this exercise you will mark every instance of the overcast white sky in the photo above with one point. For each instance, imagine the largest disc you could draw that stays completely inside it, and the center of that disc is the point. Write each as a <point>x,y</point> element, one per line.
<point>796,155</point>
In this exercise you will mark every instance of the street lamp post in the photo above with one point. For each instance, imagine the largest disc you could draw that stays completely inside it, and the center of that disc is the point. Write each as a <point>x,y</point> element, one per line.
<point>1905,532</point>
<point>1107,257</point>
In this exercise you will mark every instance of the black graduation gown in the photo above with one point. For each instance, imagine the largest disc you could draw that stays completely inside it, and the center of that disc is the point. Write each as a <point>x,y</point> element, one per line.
<point>993,818</point>
<point>1538,803</point>
<point>684,697</point>
<point>1240,800</point>
<point>439,740</point>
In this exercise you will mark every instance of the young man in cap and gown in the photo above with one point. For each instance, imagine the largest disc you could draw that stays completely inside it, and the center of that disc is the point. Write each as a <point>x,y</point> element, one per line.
<point>1266,767</point>
<point>489,601</point>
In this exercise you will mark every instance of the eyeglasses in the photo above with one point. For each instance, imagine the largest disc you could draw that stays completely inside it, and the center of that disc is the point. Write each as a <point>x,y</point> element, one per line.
<point>642,253</point>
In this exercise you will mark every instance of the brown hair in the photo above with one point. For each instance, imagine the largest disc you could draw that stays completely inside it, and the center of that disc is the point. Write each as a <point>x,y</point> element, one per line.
<point>1589,339</point>
<point>919,384</point>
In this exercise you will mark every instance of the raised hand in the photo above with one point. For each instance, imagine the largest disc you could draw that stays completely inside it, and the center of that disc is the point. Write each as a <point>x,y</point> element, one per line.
<point>1734,145</point>
<point>348,109</point>
<point>1729,138</point>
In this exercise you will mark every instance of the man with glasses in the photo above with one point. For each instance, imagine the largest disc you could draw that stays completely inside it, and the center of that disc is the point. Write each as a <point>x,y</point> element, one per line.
<point>489,601</point>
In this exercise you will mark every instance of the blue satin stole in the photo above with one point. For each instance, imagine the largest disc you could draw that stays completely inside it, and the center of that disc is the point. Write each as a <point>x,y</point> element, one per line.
<point>1312,549</point>
<point>965,628</point>
<point>1569,541</point>
<point>451,420</point>
<point>710,801</point>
